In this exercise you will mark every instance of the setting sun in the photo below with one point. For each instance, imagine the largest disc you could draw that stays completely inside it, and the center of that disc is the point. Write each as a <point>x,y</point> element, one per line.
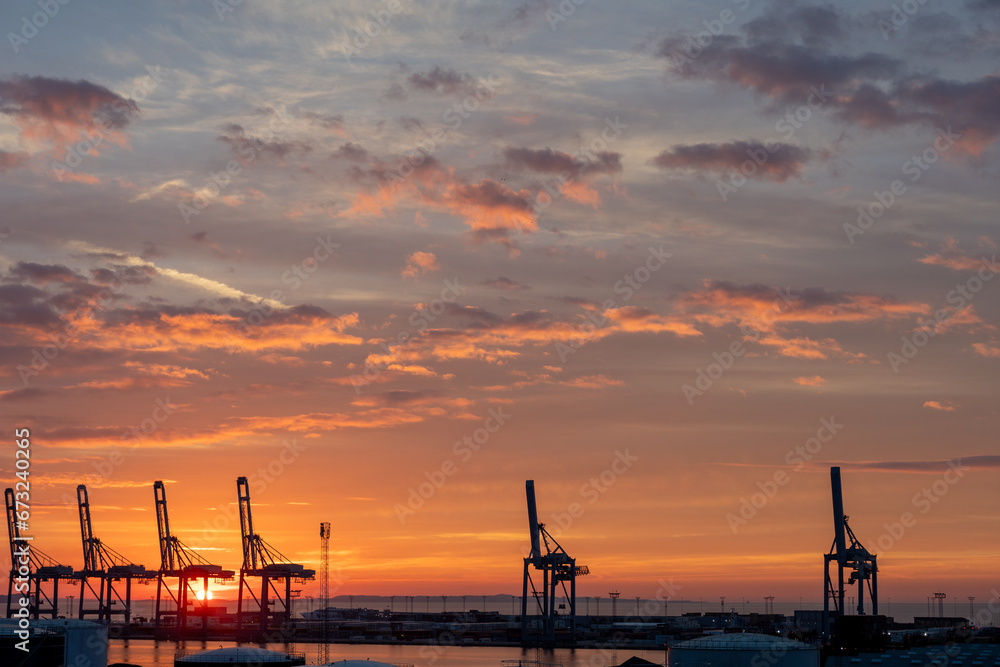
<point>201,595</point>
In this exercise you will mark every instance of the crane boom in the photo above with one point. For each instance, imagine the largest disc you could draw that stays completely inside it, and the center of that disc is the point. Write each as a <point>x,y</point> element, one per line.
<point>90,560</point>
<point>838,514</point>
<point>163,525</point>
<point>536,548</point>
<point>40,562</point>
<point>246,524</point>
<point>12,529</point>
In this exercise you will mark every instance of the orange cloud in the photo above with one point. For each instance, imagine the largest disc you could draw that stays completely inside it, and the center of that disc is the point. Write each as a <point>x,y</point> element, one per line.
<point>160,332</point>
<point>132,383</point>
<point>813,381</point>
<point>372,205</point>
<point>946,406</point>
<point>966,319</point>
<point>768,314</point>
<point>489,205</point>
<point>420,263</point>
<point>489,208</point>
<point>951,256</point>
<point>955,262</point>
<point>592,382</point>
<point>763,308</point>
<point>329,421</point>
<point>807,348</point>
<point>991,349</point>
<point>95,481</point>
<point>425,404</point>
<point>77,177</point>
<point>180,189</point>
<point>247,430</point>
<point>165,370</point>
<point>639,320</point>
<point>390,372</point>
<point>58,111</point>
<point>282,359</point>
<point>581,193</point>
<point>521,118</point>
<point>496,340</point>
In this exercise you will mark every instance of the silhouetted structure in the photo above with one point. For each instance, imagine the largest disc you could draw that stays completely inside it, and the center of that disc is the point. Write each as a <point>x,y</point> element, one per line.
<point>103,563</point>
<point>854,558</point>
<point>324,587</point>
<point>940,597</point>
<point>262,560</point>
<point>177,560</point>
<point>44,573</point>
<point>557,568</point>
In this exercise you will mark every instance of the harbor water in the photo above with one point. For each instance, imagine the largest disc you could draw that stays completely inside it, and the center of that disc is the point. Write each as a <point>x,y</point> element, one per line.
<point>150,653</point>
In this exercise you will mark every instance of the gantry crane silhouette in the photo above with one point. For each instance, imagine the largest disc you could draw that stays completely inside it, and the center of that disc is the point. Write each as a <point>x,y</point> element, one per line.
<point>103,563</point>
<point>557,569</point>
<point>260,559</point>
<point>41,574</point>
<point>853,558</point>
<point>180,562</point>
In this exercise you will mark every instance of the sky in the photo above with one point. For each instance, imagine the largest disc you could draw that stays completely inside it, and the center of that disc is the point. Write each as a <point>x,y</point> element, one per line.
<point>389,260</point>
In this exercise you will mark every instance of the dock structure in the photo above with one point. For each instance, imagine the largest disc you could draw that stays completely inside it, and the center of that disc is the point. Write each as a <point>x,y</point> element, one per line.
<point>557,569</point>
<point>43,572</point>
<point>273,605</point>
<point>109,568</point>
<point>849,556</point>
<point>179,562</point>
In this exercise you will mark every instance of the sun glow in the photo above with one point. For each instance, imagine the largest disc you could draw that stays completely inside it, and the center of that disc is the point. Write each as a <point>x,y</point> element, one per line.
<point>202,595</point>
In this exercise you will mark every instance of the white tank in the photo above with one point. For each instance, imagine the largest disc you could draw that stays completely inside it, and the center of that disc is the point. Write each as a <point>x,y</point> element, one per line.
<point>743,650</point>
<point>240,656</point>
